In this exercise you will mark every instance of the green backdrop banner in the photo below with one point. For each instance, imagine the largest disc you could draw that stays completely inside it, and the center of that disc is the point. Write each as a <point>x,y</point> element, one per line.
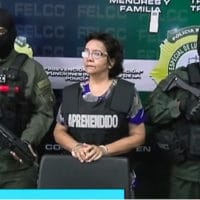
<point>56,29</point>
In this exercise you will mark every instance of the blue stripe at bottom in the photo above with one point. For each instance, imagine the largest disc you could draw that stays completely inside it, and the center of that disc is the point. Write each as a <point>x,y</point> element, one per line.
<point>57,194</point>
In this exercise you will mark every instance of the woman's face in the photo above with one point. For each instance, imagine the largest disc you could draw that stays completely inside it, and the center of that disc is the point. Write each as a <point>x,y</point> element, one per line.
<point>95,58</point>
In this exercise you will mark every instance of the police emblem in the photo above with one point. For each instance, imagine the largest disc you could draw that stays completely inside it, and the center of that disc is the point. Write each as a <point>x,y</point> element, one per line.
<point>179,49</point>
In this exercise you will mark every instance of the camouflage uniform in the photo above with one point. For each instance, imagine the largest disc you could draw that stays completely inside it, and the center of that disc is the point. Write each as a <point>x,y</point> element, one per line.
<point>38,90</point>
<point>163,111</point>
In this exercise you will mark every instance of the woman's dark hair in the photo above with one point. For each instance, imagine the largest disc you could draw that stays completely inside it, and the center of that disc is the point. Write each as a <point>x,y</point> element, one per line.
<point>113,48</point>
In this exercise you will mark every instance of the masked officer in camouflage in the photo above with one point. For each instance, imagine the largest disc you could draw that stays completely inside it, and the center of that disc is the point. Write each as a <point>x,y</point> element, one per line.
<point>26,107</point>
<point>174,108</point>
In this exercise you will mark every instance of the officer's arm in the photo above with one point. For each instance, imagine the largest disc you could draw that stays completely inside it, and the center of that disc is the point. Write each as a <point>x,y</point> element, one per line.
<point>42,115</point>
<point>161,107</point>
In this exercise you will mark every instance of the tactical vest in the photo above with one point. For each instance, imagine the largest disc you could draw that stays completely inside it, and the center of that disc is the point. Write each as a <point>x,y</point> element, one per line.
<point>15,109</point>
<point>181,139</point>
<point>100,122</point>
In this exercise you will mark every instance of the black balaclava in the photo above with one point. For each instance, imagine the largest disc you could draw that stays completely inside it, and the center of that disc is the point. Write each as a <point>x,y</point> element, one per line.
<point>7,39</point>
<point>198,42</point>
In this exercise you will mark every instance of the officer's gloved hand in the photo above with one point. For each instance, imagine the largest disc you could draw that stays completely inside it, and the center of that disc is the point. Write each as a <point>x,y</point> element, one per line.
<point>190,108</point>
<point>23,152</point>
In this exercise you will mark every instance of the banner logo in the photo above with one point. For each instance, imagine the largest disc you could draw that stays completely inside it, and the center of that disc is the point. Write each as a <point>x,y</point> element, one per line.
<point>179,49</point>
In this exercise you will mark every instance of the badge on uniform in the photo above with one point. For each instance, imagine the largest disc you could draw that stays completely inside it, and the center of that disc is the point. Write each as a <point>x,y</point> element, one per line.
<point>2,78</point>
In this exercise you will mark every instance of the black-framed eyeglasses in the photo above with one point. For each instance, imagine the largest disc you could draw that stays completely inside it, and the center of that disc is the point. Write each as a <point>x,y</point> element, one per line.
<point>96,54</point>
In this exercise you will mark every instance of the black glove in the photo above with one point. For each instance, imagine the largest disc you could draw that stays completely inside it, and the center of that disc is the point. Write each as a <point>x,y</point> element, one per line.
<point>191,109</point>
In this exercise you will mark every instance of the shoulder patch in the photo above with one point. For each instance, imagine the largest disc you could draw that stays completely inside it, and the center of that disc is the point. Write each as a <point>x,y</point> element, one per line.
<point>43,83</point>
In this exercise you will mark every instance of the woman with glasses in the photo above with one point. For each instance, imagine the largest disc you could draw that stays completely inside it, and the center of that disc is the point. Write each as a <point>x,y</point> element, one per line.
<point>102,116</point>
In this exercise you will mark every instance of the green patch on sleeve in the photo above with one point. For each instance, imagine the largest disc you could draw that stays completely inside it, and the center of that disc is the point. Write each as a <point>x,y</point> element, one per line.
<point>43,83</point>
